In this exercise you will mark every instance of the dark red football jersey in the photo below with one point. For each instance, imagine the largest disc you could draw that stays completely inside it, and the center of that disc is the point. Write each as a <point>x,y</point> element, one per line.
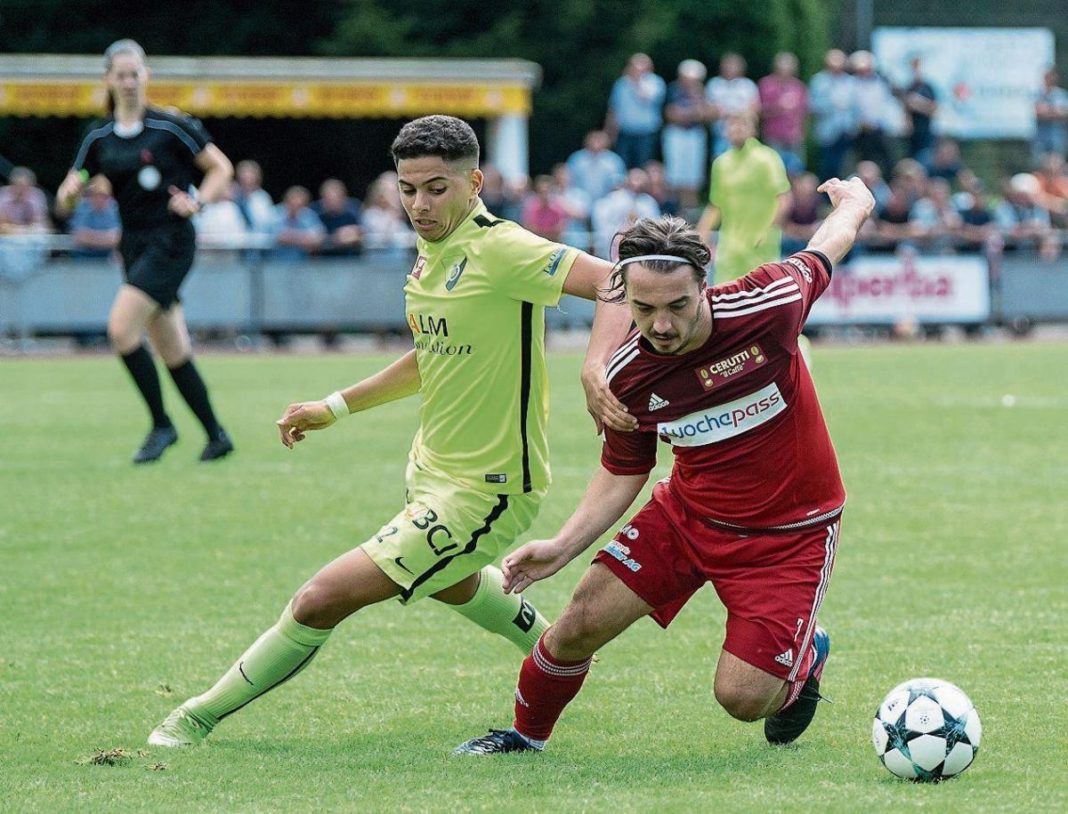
<point>740,412</point>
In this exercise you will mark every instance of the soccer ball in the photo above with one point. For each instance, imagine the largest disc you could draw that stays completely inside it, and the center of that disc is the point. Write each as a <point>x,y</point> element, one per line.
<point>926,730</point>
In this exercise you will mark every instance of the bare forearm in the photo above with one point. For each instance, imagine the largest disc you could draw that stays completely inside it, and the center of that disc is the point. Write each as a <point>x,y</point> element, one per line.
<point>782,209</point>
<point>215,181</point>
<point>399,380</point>
<point>611,324</point>
<point>218,172</point>
<point>590,278</point>
<point>836,234</point>
<point>607,497</point>
<point>709,221</point>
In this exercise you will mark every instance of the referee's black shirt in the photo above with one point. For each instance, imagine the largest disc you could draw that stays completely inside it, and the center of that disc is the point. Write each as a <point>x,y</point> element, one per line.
<point>144,164</point>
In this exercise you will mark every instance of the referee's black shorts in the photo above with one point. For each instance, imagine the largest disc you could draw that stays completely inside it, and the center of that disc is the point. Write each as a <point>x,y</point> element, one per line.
<point>156,260</point>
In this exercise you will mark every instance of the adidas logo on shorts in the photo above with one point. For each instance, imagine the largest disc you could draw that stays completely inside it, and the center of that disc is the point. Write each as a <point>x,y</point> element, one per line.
<point>656,403</point>
<point>786,659</point>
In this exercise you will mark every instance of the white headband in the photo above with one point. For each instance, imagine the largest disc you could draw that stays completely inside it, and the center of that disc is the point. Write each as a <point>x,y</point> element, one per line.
<point>643,257</point>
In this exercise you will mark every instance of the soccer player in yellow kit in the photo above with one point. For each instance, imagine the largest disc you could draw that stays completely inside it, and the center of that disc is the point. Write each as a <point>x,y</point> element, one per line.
<point>478,467</point>
<point>747,197</point>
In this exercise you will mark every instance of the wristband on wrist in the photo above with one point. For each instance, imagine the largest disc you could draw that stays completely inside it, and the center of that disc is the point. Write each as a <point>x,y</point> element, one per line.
<point>336,402</point>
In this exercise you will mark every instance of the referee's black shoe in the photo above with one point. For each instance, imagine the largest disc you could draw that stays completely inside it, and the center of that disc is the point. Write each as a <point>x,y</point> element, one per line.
<point>218,447</point>
<point>786,727</point>
<point>155,444</point>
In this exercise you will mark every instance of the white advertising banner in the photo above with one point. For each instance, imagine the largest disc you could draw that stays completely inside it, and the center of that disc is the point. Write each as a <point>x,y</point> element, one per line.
<point>986,79</point>
<point>884,290</point>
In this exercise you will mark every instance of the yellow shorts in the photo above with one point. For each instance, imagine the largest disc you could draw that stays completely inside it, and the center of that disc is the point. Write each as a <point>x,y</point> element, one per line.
<point>446,532</point>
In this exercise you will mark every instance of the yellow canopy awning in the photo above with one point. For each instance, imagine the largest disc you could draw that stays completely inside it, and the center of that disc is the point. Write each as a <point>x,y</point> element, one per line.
<point>63,85</point>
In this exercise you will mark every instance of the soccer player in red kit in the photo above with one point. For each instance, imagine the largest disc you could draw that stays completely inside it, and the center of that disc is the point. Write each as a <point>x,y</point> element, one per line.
<point>754,500</point>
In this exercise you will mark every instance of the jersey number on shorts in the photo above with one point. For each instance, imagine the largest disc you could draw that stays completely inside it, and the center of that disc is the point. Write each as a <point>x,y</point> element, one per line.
<point>386,531</point>
<point>424,524</point>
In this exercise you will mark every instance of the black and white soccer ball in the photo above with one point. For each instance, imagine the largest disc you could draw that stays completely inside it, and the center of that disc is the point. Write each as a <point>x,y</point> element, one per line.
<point>926,730</point>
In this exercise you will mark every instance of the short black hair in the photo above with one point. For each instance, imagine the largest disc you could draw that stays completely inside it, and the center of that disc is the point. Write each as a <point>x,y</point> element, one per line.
<point>447,137</point>
<point>665,235</point>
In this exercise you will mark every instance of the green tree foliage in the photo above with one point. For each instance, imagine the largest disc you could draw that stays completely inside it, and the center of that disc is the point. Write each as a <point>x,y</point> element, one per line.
<point>581,45</point>
<point>196,27</point>
<point>193,27</point>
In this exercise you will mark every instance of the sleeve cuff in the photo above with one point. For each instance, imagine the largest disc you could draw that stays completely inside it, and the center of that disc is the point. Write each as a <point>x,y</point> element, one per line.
<point>822,258</point>
<point>617,469</point>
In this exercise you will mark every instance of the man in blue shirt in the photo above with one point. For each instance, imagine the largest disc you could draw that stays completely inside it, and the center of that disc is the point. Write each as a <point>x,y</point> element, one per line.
<point>634,111</point>
<point>340,215</point>
<point>832,95</point>
<point>297,230</point>
<point>95,226</point>
<point>595,169</point>
<point>1051,118</point>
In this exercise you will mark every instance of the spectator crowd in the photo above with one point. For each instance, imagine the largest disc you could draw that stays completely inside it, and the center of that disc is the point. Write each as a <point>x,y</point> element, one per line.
<point>652,156</point>
<point>295,228</point>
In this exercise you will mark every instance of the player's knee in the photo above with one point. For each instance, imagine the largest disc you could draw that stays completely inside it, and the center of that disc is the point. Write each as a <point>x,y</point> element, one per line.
<point>173,356</point>
<point>172,348</point>
<point>123,337</point>
<point>314,605</point>
<point>741,702</point>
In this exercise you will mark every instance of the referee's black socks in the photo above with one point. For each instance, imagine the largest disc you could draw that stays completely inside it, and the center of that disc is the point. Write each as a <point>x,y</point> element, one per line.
<point>143,371</point>
<point>195,392</point>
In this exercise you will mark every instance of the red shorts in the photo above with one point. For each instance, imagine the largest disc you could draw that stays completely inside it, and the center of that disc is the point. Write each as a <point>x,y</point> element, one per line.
<point>772,584</point>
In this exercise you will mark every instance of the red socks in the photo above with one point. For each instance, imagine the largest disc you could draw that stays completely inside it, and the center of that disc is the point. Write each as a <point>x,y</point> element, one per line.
<point>546,686</point>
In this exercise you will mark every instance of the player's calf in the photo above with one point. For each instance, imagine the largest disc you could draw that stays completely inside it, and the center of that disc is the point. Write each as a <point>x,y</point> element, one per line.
<point>509,615</point>
<point>744,703</point>
<point>278,655</point>
<point>747,692</point>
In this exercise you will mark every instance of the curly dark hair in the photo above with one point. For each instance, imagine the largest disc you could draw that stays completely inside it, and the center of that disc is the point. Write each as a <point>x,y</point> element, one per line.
<point>447,137</point>
<point>664,235</point>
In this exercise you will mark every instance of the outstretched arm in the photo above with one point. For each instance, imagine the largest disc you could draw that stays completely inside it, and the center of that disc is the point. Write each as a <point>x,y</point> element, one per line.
<point>611,323</point>
<point>606,498</point>
<point>852,202</point>
<point>398,380</point>
<point>218,172</point>
<point>708,221</point>
<point>69,191</point>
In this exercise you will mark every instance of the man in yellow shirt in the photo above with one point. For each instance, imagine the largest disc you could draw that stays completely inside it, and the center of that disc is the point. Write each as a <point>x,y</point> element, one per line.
<point>747,198</point>
<point>478,467</point>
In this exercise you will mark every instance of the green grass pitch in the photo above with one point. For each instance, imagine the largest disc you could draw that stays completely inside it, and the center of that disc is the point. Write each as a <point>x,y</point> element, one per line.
<point>123,590</point>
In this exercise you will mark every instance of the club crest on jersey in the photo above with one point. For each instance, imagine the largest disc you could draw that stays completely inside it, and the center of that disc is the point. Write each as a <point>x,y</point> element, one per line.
<point>417,269</point>
<point>454,274</point>
<point>739,362</point>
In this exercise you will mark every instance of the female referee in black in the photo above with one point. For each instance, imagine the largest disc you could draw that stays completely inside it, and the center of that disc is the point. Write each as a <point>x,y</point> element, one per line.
<point>151,158</point>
